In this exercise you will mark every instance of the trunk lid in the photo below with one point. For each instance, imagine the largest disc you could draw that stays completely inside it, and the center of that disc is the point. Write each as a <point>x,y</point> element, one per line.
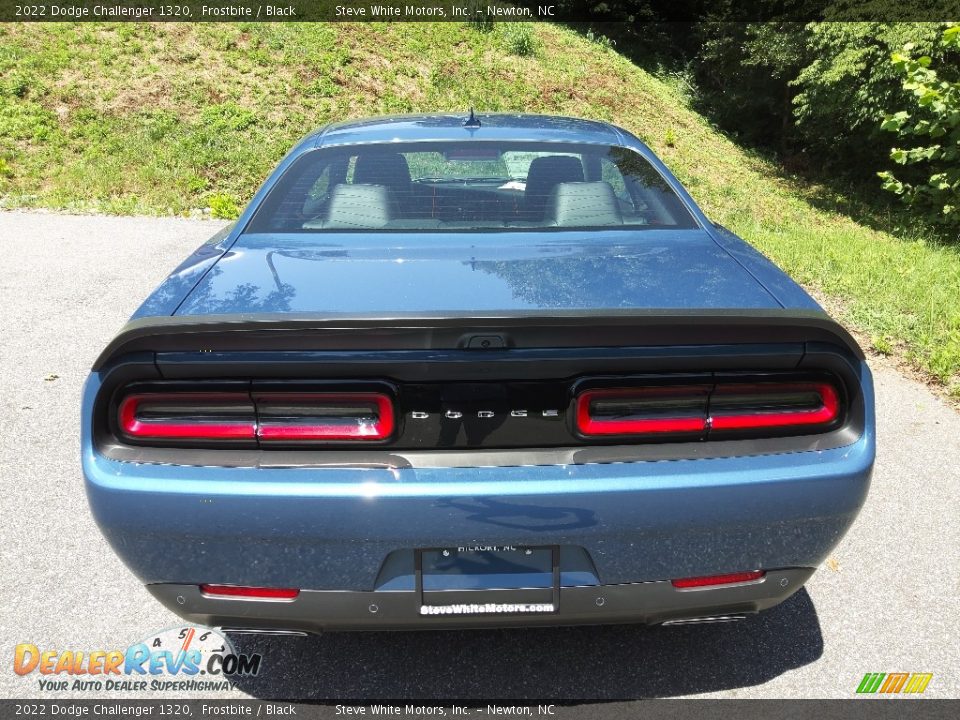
<point>509,272</point>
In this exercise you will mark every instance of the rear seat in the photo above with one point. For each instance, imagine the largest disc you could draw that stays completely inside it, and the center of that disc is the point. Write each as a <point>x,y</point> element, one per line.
<point>355,207</point>
<point>583,204</point>
<point>368,207</point>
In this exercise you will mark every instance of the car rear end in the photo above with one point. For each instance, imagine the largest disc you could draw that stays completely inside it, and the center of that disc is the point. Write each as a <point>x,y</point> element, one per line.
<point>473,384</point>
<point>250,484</point>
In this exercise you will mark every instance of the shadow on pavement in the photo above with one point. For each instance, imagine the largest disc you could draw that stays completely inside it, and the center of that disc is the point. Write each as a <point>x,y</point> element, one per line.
<point>579,663</point>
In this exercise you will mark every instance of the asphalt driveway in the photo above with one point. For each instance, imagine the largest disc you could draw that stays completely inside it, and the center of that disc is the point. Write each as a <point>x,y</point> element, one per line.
<point>888,600</point>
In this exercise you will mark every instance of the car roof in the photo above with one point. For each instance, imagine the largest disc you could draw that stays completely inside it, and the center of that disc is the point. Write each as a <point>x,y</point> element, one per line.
<point>450,126</point>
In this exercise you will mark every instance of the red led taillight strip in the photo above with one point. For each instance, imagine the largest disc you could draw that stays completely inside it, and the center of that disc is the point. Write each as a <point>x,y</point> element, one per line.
<point>655,403</point>
<point>685,409</point>
<point>182,426</point>
<point>374,421</point>
<point>827,412</point>
<point>268,417</point>
<point>713,580</point>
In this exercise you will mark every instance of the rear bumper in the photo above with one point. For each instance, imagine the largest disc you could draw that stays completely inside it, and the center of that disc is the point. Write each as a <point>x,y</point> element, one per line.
<point>650,602</point>
<point>636,521</point>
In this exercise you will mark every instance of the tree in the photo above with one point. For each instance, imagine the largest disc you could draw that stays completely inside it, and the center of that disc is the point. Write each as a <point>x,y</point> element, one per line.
<point>932,124</point>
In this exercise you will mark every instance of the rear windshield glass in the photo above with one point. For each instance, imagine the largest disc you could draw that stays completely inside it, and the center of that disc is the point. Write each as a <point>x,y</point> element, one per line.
<point>457,186</point>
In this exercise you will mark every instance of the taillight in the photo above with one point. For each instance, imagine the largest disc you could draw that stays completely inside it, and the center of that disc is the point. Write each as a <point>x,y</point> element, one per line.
<point>707,581</point>
<point>187,416</point>
<point>268,418</point>
<point>641,411</point>
<point>727,409</point>
<point>249,593</point>
<point>773,405</point>
<point>323,416</point>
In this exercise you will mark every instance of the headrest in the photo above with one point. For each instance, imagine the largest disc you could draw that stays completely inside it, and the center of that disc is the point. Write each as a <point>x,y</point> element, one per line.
<point>583,204</point>
<point>382,168</point>
<point>358,206</point>
<point>545,172</point>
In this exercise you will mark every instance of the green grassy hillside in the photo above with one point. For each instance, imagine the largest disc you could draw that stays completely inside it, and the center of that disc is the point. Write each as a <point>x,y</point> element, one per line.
<point>170,119</point>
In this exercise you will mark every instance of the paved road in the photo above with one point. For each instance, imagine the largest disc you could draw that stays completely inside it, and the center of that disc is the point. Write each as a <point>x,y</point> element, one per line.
<point>886,601</point>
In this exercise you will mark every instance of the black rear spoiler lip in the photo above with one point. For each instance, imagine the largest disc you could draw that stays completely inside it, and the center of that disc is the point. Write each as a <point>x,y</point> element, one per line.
<point>656,327</point>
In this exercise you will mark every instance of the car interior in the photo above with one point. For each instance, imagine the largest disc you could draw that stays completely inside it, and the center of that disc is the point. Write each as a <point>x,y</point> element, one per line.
<point>375,189</point>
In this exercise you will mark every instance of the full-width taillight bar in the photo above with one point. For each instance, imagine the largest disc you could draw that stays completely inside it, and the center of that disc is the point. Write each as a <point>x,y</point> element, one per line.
<point>708,410</point>
<point>264,417</point>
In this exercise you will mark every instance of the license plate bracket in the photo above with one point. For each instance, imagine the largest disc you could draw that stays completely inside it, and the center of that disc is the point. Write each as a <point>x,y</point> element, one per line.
<point>488,580</point>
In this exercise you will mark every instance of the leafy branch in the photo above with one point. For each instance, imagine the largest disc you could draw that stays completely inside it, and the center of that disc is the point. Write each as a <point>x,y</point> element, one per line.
<point>934,124</point>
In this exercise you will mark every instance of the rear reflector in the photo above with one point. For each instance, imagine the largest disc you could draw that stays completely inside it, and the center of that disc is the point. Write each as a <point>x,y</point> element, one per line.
<point>239,591</point>
<point>639,411</point>
<point>324,416</point>
<point>711,580</point>
<point>188,416</point>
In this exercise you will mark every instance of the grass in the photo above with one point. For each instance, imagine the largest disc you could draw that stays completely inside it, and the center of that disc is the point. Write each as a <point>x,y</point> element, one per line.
<point>178,119</point>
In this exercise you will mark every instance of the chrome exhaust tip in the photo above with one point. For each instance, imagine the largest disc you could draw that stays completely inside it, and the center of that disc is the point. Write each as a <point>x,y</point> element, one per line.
<point>262,631</point>
<point>705,620</point>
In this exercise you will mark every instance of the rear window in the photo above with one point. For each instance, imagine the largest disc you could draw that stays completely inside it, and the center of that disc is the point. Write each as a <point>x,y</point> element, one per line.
<point>478,185</point>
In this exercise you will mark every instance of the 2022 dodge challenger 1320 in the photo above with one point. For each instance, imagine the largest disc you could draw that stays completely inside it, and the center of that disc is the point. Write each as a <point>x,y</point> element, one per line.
<point>500,371</point>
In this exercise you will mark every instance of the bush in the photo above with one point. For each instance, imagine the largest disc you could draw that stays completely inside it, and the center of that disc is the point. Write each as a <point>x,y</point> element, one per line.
<point>932,123</point>
<point>520,38</point>
<point>223,206</point>
<point>848,87</point>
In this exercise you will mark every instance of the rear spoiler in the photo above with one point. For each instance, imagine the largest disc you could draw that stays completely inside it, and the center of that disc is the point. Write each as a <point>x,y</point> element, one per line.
<point>528,329</point>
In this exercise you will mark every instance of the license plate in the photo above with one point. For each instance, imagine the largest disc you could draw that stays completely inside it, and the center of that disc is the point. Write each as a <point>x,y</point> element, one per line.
<point>488,580</point>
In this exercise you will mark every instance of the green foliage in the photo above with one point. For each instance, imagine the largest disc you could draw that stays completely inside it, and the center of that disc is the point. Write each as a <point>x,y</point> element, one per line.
<point>847,87</point>
<point>819,91</point>
<point>932,123</point>
<point>223,206</point>
<point>520,38</point>
<point>882,344</point>
<point>479,19</point>
<point>604,41</point>
<point>227,117</point>
<point>744,71</point>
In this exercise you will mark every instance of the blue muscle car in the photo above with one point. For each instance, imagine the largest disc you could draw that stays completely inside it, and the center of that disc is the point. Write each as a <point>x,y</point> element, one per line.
<point>489,371</point>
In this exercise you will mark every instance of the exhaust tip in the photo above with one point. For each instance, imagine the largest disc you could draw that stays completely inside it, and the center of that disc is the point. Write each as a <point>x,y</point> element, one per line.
<point>263,631</point>
<point>705,620</point>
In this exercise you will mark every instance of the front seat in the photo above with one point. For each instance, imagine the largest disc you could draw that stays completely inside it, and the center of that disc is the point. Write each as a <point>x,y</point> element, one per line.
<point>544,174</point>
<point>387,169</point>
